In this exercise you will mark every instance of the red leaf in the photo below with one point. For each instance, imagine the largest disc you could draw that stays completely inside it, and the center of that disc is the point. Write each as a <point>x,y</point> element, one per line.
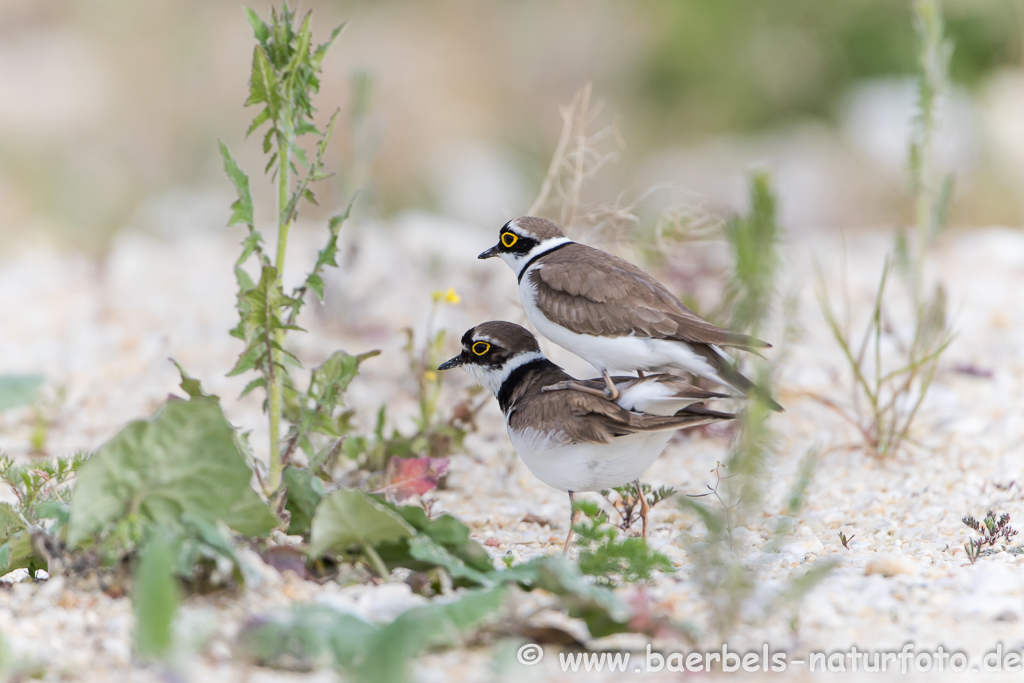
<point>412,476</point>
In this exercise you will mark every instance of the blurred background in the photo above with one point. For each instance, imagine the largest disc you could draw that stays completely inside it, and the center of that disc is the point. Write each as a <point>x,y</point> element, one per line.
<point>110,111</point>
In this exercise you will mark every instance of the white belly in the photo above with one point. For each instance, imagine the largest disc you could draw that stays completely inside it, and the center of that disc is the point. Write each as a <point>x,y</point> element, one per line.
<point>622,354</point>
<point>590,467</point>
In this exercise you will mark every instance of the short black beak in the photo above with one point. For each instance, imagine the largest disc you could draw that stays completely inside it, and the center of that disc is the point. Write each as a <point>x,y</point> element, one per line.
<point>451,363</point>
<point>493,251</point>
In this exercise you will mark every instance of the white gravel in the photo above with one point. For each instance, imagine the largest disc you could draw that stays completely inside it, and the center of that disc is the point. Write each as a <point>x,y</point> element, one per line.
<point>101,333</point>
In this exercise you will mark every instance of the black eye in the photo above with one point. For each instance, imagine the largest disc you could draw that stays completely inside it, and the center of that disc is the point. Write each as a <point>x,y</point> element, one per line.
<point>509,239</point>
<point>480,348</point>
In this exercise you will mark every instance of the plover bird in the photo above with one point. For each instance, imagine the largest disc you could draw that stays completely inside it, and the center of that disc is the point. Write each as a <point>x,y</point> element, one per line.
<point>575,439</point>
<point>610,312</point>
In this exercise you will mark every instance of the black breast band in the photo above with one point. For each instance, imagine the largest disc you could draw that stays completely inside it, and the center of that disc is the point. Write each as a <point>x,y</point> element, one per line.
<point>529,263</point>
<point>516,377</point>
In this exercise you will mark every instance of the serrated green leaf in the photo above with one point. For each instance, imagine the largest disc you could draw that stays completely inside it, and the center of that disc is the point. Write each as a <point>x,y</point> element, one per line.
<point>348,518</point>
<point>18,390</point>
<point>316,283</point>
<point>249,358</point>
<point>260,119</point>
<point>259,28</point>
<point>182,460</point>
<point>321,50</point>
<point>253,385</point>
<point>263,83</point>
<point>241,209</point>
<point>190,385</point>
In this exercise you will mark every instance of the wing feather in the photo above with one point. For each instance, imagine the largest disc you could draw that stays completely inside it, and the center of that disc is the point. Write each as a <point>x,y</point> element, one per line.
<point>593,292</point>
<point>585,418</point>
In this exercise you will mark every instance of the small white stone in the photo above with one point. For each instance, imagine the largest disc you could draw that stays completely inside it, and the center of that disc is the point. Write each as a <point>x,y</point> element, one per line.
<point>890,565</point>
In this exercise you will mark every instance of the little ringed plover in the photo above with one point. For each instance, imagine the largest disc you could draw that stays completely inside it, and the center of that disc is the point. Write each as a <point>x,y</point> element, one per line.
<point>575,439</point>
<point>610,312</point>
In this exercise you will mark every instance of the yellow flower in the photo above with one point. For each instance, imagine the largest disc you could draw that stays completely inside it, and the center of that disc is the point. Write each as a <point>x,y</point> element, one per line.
<point>448,297</point>
<point>430,376</point>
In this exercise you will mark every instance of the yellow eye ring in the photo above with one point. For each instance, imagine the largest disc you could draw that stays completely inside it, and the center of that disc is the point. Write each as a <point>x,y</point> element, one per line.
<point>480,348</point>
<point>509,239</point>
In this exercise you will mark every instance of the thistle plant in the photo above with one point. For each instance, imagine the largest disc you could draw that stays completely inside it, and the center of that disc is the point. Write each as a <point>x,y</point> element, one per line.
<point>285,68</point>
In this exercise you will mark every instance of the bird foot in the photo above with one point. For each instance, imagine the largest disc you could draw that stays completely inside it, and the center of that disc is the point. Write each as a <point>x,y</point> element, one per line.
<point>579,386</point>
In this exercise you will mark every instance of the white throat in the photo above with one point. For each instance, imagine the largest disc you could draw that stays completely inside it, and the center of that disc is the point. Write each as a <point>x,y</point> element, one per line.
<point>493,379</point>
<point>518,261</point>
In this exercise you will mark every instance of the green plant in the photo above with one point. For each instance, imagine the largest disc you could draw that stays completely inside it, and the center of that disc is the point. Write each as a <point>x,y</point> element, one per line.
<point>606,557</point>
<point>885,399</point>
<point>155,593</point>
<point>932,189</point>
<point>310,636</point>
<point>284,79</point>
<point>351,525</point>
<point>436,435</point>
<point>993,531</point>
<point>28,530</point>
<point>626,501</point>
<point>753,240</point>
<point>18,390</point>
<point>40,482</point>
<point>845,540</point>
<point>727,584</point>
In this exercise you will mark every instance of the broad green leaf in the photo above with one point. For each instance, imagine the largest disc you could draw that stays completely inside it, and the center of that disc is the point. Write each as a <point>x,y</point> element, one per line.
<point>390,651</point>
<point>10,521</point>
<point>54,509</point>
<point>155,593</point>
<point>18,552</point>
<point>315,636</point>
<point>204,540</point>
<point>241,209</point>
<point>449,532</point>
<point>18,390</point>
<point>182,460</point>
<point>307,637</point>
<point>349,518</point>
<point>425,549</point>
<point>599,607</point>
<point>249,515</point>
<point>331,378</point>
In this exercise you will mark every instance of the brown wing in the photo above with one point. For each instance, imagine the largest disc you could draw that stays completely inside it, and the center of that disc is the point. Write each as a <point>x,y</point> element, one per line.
<point>682,388</point>
<point>585,418</point>
<point>592,292</point>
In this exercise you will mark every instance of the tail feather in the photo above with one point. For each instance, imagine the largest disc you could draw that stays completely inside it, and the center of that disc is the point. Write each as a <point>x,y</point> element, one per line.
<point>728,374</point>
